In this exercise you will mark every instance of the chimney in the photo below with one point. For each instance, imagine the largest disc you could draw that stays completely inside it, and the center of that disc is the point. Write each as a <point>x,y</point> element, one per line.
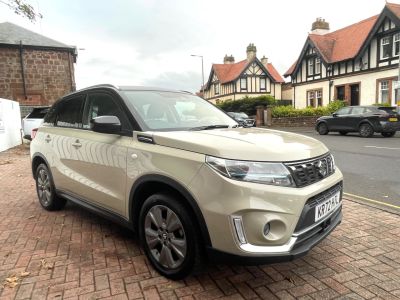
<point>251,51</point>
<point>320,26</point>
<point>229,59</point>
<point>264,60</point>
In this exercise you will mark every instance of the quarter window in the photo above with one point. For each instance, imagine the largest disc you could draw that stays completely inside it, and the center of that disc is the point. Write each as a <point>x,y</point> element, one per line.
<point>385,47</point>
<point>70,112</point>
<point>243,83</point>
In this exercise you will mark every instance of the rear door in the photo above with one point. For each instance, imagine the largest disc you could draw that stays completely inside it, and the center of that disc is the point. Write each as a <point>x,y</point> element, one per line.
<point>100,159</point>
<point>356,116</point>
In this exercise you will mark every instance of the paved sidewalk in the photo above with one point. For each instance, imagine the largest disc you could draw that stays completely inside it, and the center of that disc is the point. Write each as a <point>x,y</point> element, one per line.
<point>74,254</point>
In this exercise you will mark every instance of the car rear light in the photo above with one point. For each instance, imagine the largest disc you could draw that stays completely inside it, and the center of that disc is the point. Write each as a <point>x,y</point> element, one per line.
<point>33,133</point>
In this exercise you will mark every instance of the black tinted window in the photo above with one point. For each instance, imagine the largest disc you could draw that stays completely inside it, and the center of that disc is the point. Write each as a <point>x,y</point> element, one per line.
<point>102,104</point>
<point>388,110</point>
<point>343,111</point>
<point>69,112</point>
<point>38,113</point>
<point>50,117</point>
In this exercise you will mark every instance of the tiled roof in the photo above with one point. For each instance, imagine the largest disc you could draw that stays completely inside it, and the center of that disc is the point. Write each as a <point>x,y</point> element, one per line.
<point>229,72</point>
<point>344,43</point>
<point>12,34</point>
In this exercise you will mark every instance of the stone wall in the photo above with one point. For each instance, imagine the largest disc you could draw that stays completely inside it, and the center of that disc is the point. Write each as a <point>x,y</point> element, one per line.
<point>49,74</point>
<point>294,122</point>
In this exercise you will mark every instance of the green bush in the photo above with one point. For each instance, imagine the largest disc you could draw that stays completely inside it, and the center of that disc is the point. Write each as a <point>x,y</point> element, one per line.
<point>382,104</point>
<point>247,104</point>
<point>289,111</point>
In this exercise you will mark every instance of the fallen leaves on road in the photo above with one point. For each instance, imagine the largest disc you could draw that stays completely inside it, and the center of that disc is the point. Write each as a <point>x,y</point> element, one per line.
<point>46,265</point>
<point>14,280</point>
<point>5,162</point>
<point>31,217</point>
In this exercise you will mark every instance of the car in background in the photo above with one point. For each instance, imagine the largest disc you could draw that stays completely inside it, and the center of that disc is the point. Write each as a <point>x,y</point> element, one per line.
<point>363,119</point>
<point>33,120</point>
<point>242,118</point>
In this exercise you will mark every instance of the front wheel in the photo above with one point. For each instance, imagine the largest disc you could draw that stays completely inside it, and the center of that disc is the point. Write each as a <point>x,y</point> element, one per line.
<point>46,191</point>
<point>169,236</point>
<point>366,130</point>
<point>388,134</point>
<point>322,129</point>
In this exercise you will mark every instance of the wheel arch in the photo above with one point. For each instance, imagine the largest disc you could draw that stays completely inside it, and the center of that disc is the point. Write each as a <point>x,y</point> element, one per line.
<point>366,121</point>
<point>151,184</point>
<point>37,159</point>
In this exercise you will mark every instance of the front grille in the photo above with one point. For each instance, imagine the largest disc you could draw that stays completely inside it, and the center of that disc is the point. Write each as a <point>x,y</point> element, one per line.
<point>309,171</point>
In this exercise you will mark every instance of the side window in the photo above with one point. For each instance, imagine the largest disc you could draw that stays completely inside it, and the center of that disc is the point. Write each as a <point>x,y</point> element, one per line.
<point>51,115</point>
<point>357,110</point>
<point>343,111</point>
<point>69,112</point>
<point>102,104</point>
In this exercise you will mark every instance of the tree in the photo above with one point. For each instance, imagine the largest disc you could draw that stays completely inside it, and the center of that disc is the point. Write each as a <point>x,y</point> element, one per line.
<point>21,7</point>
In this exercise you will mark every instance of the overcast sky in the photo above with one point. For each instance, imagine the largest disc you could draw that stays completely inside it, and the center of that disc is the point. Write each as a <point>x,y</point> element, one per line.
<point>149,42</point>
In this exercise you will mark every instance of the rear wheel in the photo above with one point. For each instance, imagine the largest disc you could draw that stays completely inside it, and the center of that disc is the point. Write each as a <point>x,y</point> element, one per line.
<point>366,130</point>
<point>322,129</point>
<point>343,132</point>
<point>169,236</point>
<point>45,189</point>
<point>388,134</point>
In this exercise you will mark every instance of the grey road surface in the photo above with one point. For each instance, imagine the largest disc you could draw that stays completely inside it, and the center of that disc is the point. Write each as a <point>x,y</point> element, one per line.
<point>371,166</point>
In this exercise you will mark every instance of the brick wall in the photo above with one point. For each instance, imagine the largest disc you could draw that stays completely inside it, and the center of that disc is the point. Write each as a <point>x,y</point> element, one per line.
<point>294,122</point>
<point>48,75</point>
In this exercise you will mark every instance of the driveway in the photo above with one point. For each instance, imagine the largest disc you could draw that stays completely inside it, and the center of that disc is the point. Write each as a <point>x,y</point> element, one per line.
<point>74,254</point>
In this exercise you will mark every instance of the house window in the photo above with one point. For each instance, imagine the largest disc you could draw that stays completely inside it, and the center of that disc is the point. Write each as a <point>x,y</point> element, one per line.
<point>314,98</point>
<point>340,93</point>
<point>243,83</point>
<point>384,91</point>
<point>263,83</point>
<point>311,66</point>
<point>216,88</point>
<point>396,44</point>
<point>385,47</point>
<point>317,65</point>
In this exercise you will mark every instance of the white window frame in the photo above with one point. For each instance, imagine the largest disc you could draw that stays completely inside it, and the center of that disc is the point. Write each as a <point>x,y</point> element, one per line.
<point>310,66</point>
<point>263,80</point>
<point>396,39</point>
<point>216,88</point>
<point>385,41</point>
<point>384,87</point>
<point>243,83</point>
<point>317,65</point>
<point>316,97</point>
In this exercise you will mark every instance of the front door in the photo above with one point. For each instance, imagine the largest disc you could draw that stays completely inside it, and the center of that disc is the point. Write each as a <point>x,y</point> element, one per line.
<point>354,94</point>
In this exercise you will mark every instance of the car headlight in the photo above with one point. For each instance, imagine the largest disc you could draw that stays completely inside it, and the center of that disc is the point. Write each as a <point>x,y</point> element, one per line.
<point>260,172</point>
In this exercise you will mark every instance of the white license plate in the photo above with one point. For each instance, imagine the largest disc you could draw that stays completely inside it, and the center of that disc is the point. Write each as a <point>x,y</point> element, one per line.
<point>327,206</point>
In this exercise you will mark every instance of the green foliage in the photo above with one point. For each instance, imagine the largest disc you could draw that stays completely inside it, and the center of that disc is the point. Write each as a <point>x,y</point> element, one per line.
<point>382,104</point>
<point>20,7</point>
<point>247,104</point>
<point>289,111</point>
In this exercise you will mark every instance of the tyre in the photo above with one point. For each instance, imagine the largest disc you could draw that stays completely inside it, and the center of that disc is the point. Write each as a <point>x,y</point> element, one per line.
<point>343,132</point>
<point>388,134</point>
<point>322,129</point>
<point>169,236</point>
<point>366,130</point>
<point>46,191</point>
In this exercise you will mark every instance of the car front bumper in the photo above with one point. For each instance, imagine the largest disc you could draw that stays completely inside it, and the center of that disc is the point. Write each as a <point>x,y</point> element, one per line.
<point>284,208</point>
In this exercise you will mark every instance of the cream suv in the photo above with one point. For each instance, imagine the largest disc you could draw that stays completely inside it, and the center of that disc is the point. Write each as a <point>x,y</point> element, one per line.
<point>184,176</point>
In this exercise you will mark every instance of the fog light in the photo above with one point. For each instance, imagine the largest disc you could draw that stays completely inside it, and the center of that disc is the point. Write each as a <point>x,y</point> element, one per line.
<point>266,229</point>
<point>237,221</point>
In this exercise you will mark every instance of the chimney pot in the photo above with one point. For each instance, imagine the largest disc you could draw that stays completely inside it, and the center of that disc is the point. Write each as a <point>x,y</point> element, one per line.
<point>320,26</point>
<point>251,51</point>
<point>229,59</point>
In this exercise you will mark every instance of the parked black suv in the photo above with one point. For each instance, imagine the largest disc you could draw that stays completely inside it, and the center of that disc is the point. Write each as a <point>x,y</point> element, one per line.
<point>243,119</point>
<point>363,119</point>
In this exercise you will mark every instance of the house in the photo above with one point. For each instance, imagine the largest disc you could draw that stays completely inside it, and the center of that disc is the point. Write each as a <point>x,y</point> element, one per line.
<point>249,77</point>
<point>34,70</point>
<point>357,64</point>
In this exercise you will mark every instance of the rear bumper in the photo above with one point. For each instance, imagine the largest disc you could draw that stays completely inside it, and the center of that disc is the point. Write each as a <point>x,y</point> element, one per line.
<point>389,126</point>
<point>300,248</point>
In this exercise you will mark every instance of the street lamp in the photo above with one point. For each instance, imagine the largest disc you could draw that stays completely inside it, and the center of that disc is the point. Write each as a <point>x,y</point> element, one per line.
<point>202,71</point>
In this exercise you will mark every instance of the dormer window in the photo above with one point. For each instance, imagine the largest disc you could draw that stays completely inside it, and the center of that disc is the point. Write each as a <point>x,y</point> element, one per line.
<point>396,44</point>
<point>385,47</point>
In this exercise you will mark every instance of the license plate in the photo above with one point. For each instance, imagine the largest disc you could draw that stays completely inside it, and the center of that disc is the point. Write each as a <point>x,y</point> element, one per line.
<point>392,119</point>
<point>327,206</point>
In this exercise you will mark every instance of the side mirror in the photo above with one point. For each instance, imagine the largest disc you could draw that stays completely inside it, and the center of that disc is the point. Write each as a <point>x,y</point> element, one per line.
<point>106,124</point>
<point>335,114</point>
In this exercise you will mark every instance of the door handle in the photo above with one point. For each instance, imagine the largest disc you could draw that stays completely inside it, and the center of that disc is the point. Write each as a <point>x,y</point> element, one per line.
<point>47,138</point>
<point>77,144</point>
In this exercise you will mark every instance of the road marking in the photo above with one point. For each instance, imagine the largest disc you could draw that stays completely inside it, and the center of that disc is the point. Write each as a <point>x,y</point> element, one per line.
<point>377,147</point>
<point>374,201</point>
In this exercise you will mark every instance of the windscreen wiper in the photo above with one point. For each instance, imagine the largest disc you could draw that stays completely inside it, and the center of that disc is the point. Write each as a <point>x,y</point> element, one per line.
<point>207,127</point>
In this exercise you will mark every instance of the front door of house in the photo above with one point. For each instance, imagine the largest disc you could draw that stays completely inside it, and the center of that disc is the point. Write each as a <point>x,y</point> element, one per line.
<point>355,94</point>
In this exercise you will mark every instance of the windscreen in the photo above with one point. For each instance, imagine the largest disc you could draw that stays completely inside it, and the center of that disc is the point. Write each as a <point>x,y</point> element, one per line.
<point>164,111</point>
<point>38,113</point>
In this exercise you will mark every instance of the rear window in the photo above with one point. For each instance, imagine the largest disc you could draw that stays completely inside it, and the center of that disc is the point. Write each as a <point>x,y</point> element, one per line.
<point>389,110</point>
<point>38,113</point>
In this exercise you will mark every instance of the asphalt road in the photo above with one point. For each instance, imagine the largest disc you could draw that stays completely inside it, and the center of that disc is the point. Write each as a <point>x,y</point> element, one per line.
<point>371,166</point>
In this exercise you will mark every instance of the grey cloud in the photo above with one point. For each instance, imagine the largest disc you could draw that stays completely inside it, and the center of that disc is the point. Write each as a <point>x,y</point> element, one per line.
<point>187,81</point>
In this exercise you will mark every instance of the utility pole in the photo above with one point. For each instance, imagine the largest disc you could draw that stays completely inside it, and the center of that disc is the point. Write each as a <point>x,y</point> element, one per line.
<point>202,71</point>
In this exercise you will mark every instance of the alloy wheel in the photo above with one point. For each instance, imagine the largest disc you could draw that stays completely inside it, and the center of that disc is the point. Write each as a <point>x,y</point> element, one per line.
<point>44,187</point>
<point>165,236</point>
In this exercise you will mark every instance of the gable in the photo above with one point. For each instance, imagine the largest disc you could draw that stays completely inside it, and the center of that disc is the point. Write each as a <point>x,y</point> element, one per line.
<point>254,69</point>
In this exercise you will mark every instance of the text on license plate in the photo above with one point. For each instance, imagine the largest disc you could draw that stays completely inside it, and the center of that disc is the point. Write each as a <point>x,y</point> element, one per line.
<point>327,206</point>
<point>392,119</point>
